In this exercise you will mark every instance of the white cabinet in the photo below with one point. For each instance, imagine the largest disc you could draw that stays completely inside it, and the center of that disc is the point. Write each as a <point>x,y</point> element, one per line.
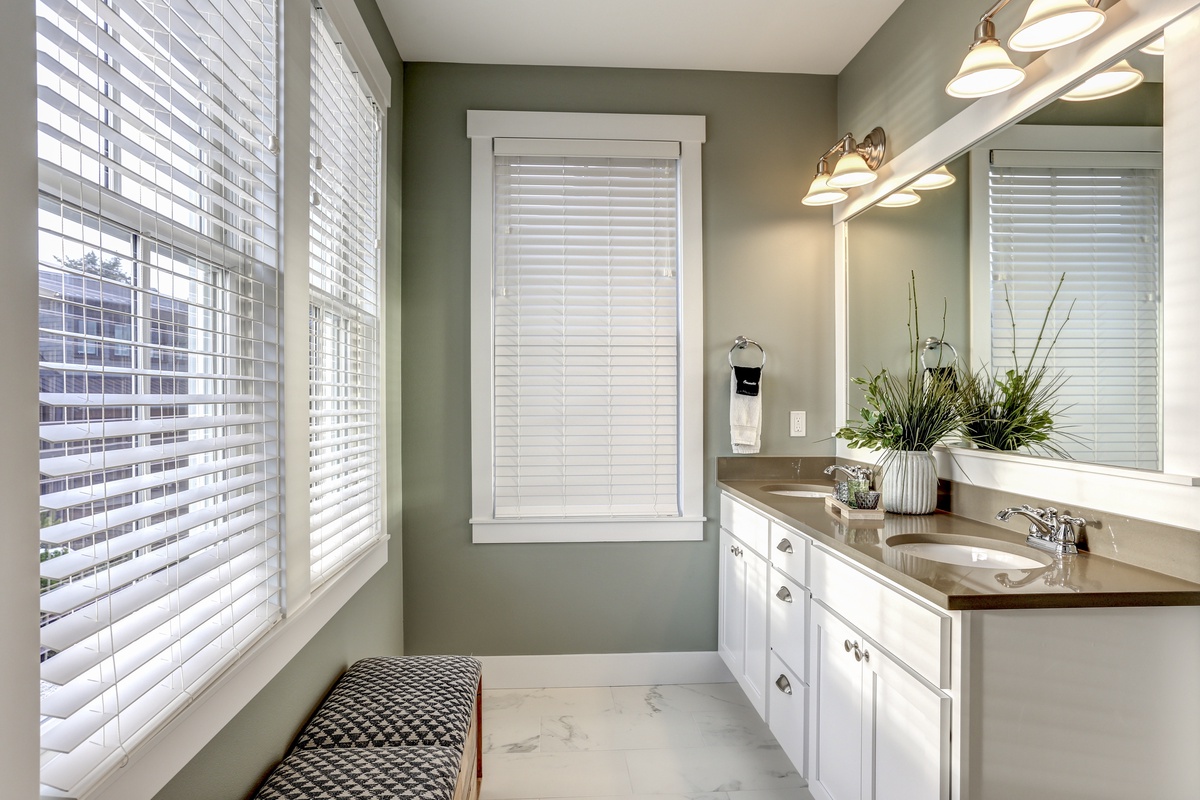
<point>742,628</point>
<point>876,731</point>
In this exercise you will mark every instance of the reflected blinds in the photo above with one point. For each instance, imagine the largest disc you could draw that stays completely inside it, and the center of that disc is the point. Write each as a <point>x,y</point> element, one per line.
<point>586,316</point>
<point>1099,226</point>
<point>345,447</point>
<point>157,277</point>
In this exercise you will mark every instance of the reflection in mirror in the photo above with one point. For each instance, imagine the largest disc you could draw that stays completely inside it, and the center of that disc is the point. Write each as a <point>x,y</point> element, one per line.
<point>1074,190</point>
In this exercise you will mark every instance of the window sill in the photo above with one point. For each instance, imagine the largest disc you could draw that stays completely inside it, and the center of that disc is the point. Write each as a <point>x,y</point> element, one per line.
<point>526,531</point>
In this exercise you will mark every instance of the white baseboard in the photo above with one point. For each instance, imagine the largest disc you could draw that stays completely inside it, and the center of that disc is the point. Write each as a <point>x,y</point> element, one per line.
<point>602,669</point>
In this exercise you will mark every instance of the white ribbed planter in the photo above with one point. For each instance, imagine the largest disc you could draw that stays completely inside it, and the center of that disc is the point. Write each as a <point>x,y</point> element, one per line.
<point>910,482</point>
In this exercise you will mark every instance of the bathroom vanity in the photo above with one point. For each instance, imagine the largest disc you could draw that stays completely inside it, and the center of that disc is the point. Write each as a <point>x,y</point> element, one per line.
<point>886,675</point>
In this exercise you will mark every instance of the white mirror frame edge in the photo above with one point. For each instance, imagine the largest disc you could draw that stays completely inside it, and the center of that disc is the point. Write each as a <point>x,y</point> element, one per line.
<point>1170,496</point>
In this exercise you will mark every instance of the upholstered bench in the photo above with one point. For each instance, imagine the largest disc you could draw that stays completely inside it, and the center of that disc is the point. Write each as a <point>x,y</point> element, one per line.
<point>365,773</point>
<point>384,721</point>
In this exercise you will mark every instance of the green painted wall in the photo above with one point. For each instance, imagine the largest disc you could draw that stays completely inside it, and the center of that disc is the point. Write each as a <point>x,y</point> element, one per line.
<point>231,766</point>
<point>768,265</point>
<point>886,246</point>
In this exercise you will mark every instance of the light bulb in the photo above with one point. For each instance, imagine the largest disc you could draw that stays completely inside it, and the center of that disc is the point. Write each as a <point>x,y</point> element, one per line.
<point>986,70</point>
<point>1157,47</point>
<point>937,179</point>
<point>901,198</point>
<point>820,193</point>
<point>1053,23</point>
<point>851,170</point>
<point>1120,77</point>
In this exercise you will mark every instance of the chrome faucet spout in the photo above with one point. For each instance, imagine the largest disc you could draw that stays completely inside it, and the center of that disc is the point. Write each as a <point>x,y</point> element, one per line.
<point>1047,529</point>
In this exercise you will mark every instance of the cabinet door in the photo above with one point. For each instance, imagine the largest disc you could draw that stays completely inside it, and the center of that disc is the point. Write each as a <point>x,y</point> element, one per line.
<point>755,673</point>
<point>907,744</point>
<point>835,710</point>
<point>731,633</point>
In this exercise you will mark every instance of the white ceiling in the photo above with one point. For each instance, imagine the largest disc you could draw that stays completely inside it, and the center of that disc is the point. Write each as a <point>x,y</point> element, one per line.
<point>802,36</point>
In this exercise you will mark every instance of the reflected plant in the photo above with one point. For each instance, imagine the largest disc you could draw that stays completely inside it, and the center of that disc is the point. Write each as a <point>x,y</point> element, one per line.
<point>1017,409</point>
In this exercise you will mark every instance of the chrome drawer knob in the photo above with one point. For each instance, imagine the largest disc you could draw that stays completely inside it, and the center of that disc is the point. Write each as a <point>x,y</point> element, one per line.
<point>784,595</point>
<point>784,546</point>
<point>783,684</point>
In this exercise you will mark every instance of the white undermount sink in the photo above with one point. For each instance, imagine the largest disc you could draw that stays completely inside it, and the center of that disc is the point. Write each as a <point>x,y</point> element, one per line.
<point>798,489</point>
<point>968,551</point>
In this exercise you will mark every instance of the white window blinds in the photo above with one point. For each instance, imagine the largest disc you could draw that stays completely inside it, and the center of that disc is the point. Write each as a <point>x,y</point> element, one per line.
<point>586,333</point>
<point>1099,226</point>
<point>157,271</point>
<point>344,280</point>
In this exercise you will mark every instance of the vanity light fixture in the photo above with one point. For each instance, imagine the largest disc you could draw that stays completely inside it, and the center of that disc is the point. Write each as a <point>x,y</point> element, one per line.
<point>1120,77</point>
<point>820,193</point>
<point>900,198</point>
<point>1054,23</point>
<point>939,178</point>
<point>1157,47</point>
<point>857,164</point>
<point>987,69</point>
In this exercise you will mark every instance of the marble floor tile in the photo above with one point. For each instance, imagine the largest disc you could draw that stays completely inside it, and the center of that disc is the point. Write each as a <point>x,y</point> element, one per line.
<point>543,702</point>
<point>710,769</point>
<point>522,776</point>
<point>773,794</point>
<point>739,726</point>
<point>508,732</point>
<point>618,731</point>
<point>689,698</point>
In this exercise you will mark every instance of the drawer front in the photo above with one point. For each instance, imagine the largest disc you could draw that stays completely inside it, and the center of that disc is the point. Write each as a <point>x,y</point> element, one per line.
<point>914,633</point>
<point>788,716</point>
<point>789,552</point>
<point>745,523</point>
<point>789,622</point>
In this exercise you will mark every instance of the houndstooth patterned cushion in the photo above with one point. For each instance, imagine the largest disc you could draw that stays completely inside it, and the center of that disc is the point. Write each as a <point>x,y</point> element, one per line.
<point>378,773</point>
<point>397,702</point>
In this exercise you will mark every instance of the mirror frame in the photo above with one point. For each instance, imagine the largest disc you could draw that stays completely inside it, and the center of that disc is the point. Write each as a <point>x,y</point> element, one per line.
<point>1168,496</point>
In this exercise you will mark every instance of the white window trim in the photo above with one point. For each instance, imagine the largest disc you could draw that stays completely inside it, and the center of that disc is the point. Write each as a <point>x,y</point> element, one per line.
<point>483,127</point>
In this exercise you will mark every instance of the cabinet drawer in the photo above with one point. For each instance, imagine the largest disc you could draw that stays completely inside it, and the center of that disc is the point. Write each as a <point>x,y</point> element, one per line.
<point>788,715</point>
<point>914,633</point>
<point>789,552</point>
<point>745,523</point>
<point>789,622</point>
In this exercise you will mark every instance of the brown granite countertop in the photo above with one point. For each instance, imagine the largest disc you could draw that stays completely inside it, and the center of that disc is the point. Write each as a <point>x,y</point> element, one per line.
<point>1074,582</point>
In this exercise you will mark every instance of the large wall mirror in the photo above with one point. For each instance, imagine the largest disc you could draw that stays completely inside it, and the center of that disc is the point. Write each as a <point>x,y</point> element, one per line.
<point>877,248</point>
<point>1073,191</point>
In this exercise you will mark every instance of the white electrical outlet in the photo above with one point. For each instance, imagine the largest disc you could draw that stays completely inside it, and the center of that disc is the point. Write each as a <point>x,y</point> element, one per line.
<point>799,423</point>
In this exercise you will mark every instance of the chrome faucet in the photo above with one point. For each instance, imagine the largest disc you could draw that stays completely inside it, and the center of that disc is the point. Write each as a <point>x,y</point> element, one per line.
<point>1047,529</point>
<point>853,471</point>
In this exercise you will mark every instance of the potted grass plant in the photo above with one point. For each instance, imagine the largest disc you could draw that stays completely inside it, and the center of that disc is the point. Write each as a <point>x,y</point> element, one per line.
<point>1016,409</point>
<point>905,415</point>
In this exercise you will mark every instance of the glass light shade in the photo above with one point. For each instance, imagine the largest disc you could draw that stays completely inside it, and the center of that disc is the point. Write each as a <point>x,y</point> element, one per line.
<point>820,193</point>
<point>1053,23</point>
<point>901,198</point>
<point>939,178</point>
<point>851,170</point>
<point>987,69</point>
<point>1120,77</point>
<point>1157,47</point>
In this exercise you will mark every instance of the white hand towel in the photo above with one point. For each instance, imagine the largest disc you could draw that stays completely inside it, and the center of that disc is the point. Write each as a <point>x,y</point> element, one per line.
<point>745,418</point>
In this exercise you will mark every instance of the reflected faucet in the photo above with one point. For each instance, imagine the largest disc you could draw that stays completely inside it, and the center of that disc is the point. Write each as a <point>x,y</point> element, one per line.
<point>1047,530</point>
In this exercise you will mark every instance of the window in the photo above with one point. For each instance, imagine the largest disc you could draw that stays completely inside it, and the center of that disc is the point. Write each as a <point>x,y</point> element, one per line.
<point>1093,216</point>
<point>346,511</point>
<point>157,269</point>
<point>161,313</point>
<point>586,275</point>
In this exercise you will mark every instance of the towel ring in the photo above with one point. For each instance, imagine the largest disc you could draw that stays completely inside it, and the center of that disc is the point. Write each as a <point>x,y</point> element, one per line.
<point>740,343</point>
<point>934,343</point>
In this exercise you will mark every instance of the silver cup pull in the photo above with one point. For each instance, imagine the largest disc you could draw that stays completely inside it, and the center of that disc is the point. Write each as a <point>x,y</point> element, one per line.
<point>783,684</point>
<point>784,546</point>
<point>784,595</point>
